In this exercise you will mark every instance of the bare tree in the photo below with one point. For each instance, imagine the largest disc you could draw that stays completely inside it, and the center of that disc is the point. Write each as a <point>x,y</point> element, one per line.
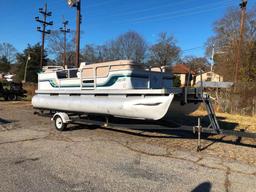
<point>105,52</point>
<point>130,45</point>
<point>8,51</point>
<point>226,41</point>
<point>196,63</point>
<point>165,51</point>
<point>55,46</point>
<point>89,54</point>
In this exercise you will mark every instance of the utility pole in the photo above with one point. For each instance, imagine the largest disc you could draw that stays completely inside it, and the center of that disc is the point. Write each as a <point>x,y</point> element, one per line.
<point>243,5</point>
<point>212,57</point>
<point>65,31</point>
<point>77,4</point>
<point>26,66</point>
<point>44,23</point>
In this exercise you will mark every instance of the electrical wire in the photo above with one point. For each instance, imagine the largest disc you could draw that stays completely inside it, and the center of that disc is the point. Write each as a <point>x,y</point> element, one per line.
<point>125,12</point>
<point>172,15</point>
<point>192,49</point>
<point>182,15</point>
<point>60,2</point>
<point>130,11</point>
<point>100,4</point>
<point>187,11</point>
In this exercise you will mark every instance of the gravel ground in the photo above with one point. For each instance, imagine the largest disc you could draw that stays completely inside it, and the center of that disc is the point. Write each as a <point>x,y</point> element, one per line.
<point>35,157</point>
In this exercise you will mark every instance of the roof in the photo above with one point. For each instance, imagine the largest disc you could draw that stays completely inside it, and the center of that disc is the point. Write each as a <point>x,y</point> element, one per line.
<point>182,69</point>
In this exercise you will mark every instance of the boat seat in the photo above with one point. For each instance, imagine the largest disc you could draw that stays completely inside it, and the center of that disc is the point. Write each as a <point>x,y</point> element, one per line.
<point>103,69</point>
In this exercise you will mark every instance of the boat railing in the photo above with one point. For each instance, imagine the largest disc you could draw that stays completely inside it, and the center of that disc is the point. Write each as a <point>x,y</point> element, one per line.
<point>89,74</point>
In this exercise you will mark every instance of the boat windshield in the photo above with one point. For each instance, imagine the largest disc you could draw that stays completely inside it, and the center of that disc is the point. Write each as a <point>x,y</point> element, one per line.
<point>65,74</point>
<point>73,73</point>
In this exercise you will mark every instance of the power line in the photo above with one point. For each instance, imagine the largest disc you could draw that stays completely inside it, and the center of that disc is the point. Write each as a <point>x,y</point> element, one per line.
<point>187,11</point>
<point>89,6</point>
<point>171,15</point>
<point>100,4</point>
<point>164,14</point>
<point>130,11</point>
<point>194,48</point>
<point>44,24</point>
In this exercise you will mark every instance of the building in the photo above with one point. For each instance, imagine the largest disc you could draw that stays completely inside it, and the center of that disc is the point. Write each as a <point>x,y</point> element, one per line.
<point>1,76</point>
<point>182,71</point>
<point>210,77</point>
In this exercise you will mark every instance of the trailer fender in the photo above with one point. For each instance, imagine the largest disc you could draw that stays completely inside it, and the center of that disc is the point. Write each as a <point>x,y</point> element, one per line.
<point>64,116</point>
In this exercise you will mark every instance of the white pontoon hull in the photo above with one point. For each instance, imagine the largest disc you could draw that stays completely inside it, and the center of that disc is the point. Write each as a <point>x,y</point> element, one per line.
<point>138,107</point>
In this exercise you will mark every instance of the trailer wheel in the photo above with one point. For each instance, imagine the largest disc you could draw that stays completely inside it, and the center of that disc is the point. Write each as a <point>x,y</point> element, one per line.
<point>59,124</point>
<point>12,97</point>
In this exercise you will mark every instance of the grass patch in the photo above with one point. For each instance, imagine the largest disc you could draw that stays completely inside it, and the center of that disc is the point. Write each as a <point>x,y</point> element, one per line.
<point>244,122</point>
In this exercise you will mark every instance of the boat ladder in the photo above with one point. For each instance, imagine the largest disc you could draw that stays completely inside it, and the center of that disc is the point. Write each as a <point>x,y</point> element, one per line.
<point>211,113</point>
<point>199,96</point>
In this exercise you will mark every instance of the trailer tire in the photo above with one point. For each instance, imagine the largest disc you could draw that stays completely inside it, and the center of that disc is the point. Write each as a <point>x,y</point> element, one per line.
<point>59,124</point>
<point>12,97</point>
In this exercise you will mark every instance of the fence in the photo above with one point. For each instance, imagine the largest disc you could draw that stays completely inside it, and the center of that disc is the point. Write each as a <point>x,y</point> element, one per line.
<point>240,99</point>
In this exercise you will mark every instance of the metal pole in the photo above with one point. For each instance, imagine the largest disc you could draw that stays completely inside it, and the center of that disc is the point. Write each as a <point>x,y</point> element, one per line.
<point>213,53</point>
<point>26,66</point>
<point>201,82</point>
<point>199,135</point>
<point>78,22</point>
<point>240,42</point>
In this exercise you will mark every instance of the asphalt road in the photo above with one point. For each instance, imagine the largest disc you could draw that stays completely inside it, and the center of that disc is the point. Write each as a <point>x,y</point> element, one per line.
<point>35,157</point>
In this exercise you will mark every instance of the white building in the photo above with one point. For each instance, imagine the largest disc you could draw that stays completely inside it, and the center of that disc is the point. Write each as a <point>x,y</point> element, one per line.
<point>209,76</point>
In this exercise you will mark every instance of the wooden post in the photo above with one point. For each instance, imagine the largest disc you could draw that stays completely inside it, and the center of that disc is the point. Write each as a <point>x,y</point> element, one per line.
<point>240,41</point>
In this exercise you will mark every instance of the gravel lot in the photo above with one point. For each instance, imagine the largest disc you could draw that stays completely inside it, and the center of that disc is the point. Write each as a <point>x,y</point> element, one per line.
<point>35,157</point>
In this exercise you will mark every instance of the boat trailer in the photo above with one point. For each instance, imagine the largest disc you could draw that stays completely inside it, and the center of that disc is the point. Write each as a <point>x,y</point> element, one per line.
<point>62,119</point>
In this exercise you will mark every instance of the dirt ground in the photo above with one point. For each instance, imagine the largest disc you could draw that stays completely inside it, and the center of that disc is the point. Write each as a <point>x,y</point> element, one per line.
<point>101,159</point>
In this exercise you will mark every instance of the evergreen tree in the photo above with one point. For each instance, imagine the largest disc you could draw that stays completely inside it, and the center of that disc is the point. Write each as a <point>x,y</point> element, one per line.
<point>4,64</point>
<point>33,66</point>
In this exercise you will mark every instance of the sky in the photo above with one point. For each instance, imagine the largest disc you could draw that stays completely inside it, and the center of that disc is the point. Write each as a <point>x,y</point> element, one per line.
<point>190,21</point>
